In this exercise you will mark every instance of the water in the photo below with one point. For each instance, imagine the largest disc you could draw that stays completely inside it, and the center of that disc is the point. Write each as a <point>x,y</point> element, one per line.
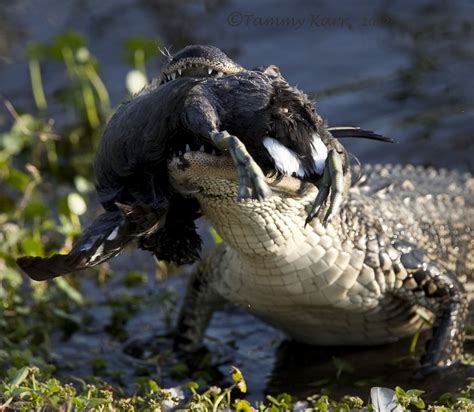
<point>401,68</point>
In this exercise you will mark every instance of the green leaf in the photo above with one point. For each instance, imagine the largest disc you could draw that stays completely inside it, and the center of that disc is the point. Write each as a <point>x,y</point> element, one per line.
<point>399,392</point>
<point>273,400</point>
<point>70,39</point>
<point>154,387</point>
<point>73,293</point>
<point>419,403</point>
<point>18,179</point>
<point>285,398</point>
<point>192,385</point>
<point>238,378</point>
<point>215,236</point>
<point>242,406</point>
<point>35,209</point>
<point>321,405</point>
<point>25,125</point>
<point>11,143</point>
<point>134,279</point>
<point>36,50</point>
<point>20,377</point>
<point>32,246</point>
<point>414,392</point>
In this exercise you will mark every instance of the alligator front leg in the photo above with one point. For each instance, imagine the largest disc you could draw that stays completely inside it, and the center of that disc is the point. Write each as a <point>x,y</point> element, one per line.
<point>252,184</point>
<point>428,284</point>
<point>200,302</point>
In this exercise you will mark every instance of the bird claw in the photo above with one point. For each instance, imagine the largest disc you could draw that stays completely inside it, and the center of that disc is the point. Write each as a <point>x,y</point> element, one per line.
<point>252,183</point>
<point>332,187</point>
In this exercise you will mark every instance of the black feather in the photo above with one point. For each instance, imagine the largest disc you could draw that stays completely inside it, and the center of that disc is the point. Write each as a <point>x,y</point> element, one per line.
<point>349,131</point>
<point>39,268</point>
<point>103,239</point>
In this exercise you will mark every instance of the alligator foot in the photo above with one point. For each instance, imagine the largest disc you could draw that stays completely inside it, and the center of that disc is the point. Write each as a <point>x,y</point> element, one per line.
<point>332,181</point>
<point>200,302</point>
<point>445,348</point>
<point>428,284</point>
<point>252,183</point>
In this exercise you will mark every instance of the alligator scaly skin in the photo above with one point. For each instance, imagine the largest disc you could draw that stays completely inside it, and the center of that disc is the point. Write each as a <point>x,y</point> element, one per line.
<point>403,240</point>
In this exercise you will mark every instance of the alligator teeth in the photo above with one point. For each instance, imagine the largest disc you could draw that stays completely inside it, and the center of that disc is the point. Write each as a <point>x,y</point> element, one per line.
<point>188,149</point>
<point>220,74</point>
<point>213,152</point>
<point>179,72</point>
<point>173,76</point>
<point>209,71</point>
<point>201,149</point>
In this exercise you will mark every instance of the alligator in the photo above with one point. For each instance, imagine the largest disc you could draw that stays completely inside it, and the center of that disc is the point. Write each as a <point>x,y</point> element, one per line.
<point>401,241</point>
<point>397,241</point>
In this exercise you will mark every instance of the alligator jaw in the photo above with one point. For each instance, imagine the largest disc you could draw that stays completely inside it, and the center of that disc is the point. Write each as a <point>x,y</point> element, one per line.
<point>193,171</point>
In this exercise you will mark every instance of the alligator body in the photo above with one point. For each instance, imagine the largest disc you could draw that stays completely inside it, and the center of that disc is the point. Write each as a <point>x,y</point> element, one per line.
<point>401,242</point>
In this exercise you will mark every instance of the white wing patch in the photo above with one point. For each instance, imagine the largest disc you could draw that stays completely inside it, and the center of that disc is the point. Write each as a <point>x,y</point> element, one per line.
<point>113,234</point>
<point>288,162</point>
<point>319,152</point>
<point>97,253</point>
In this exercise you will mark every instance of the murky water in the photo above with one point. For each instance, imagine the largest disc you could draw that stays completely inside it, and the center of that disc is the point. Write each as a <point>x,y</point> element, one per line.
<point>402,68</point>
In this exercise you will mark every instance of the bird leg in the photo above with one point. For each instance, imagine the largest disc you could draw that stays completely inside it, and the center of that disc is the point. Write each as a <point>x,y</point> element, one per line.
<point>333,182</point>
<point>252,183</point>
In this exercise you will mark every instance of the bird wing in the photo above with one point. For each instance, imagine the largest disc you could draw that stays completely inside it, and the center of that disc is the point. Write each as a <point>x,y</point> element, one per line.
<point>103,239</point>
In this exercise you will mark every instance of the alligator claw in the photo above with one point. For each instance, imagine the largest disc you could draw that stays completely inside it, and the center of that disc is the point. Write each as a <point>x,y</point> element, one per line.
<point>332,182</point>
<point>252,184</point>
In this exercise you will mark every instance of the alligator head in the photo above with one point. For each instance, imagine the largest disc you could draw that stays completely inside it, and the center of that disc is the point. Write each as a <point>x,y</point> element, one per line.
<point>198,61</point>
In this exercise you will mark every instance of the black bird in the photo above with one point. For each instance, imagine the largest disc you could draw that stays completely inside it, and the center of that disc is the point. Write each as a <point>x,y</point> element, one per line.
<point>276,122</point>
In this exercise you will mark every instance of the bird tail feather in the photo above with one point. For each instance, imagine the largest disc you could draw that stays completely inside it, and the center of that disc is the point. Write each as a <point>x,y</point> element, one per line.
<point>100,241</point>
